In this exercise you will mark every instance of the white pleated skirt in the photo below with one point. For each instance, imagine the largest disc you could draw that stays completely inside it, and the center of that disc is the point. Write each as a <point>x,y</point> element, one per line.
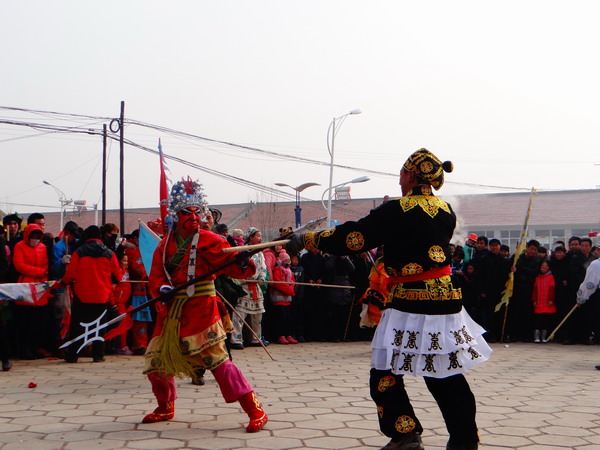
<point>435,346</point>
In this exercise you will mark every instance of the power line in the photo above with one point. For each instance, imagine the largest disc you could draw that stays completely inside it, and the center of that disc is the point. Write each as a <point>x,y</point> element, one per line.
<point>91,131</point>
<point>27,204</point>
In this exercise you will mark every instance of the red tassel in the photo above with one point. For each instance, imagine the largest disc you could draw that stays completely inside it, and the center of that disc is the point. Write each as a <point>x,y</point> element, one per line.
<point>65,323</point>
<point>123,328</point>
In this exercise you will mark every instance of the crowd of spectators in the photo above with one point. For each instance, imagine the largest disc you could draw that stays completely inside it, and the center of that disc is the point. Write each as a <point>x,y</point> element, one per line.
<point>290,299</point>
<point>290,311</point>
<point>89,281</point>
<point>545,285</point>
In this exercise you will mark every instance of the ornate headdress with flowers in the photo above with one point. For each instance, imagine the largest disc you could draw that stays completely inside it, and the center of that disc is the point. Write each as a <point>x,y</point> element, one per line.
<point>186,193</point>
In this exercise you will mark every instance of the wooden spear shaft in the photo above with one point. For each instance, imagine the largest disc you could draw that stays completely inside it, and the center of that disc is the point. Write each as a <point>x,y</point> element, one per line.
<point>241,248</point>
<point>298,283</point>
<point>563,321</point>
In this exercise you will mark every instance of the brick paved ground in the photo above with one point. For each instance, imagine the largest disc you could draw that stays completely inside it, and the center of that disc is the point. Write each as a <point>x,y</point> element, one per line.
<point>531,396</point>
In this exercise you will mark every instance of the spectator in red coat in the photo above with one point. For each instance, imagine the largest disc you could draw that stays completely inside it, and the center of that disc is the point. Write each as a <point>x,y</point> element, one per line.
<point>544,307</point>
<point>30,257</point>
<point>281,298</point>
<point>30,261</point>
<point>93,270</point>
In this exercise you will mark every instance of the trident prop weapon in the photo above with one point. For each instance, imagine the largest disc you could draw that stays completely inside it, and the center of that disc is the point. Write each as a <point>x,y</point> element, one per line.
<point>92,329</point>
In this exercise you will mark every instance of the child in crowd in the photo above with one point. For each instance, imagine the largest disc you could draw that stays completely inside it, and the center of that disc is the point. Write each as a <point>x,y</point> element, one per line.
<point>120,298</point>
<point>281,299</point>
<point>238,236</point>
<point>544,307</point>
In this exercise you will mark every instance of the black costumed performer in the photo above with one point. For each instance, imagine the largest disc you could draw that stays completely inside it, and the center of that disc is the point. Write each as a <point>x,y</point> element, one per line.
<point>424,330</point>
<point>191,329</point>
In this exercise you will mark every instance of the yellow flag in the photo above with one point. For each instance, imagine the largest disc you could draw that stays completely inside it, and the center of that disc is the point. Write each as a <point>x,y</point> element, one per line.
<point>508,288</point>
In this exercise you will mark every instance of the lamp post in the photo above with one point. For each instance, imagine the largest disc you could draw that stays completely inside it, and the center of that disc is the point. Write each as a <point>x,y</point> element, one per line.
<point>62,198</point>
<point>298,189</point>
<point>332,188</point>
<point>331,132</point>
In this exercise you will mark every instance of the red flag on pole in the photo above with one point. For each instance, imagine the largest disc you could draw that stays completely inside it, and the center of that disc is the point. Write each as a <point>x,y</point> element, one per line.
<point>164,189</point>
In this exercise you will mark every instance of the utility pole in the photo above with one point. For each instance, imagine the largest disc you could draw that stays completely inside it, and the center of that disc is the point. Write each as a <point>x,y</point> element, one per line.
<point>104,139</point>
<point>122,170</point>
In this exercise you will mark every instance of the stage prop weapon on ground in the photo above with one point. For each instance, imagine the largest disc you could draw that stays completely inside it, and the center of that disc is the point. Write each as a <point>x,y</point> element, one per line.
<point>92,329</point>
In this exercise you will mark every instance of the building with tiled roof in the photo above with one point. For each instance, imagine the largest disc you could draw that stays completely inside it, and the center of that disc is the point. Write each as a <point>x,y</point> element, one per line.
<point>556,215</point>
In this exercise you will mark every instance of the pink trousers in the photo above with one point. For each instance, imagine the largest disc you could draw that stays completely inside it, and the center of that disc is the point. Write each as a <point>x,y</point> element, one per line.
<point>230,379</point>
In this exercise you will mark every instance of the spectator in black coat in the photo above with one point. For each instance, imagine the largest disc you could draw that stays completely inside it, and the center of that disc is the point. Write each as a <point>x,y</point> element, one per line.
<point>298,307</point>
<point>493,272</point>
<point>314,324</point>
<point>559,265</point>
<point>520,310</point>
<point>337,300</point>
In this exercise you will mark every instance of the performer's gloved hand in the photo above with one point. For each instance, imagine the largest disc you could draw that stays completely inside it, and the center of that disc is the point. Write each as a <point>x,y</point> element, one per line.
<point>243,259</point>
<point>261,281</point>
<point>66,259</point>
<point>296,244</point>
<point>165,288</point>
<point>581,301</point>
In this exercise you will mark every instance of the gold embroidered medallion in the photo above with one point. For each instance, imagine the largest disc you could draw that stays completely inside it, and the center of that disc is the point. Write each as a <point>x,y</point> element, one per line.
<point>355,241</point>
<point>436,253</point>
<point>426,167</point>
<point>405,424</point>
<point>411,269</point>
<point>385,383</point>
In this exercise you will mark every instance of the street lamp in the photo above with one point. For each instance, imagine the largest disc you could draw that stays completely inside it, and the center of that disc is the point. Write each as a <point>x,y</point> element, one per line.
<point>331,132</point>
<point>332,188</point>
<point>298,189</point>
<point>62,198</point>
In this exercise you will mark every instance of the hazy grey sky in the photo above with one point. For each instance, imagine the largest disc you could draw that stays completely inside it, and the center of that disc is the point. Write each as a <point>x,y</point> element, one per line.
<point>509,91</point>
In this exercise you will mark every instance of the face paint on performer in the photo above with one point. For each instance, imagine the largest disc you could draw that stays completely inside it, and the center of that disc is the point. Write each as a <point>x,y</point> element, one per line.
<point>189,219</point>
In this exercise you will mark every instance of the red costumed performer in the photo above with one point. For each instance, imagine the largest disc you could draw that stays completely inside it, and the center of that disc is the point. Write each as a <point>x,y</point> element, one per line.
<point>190,332</point>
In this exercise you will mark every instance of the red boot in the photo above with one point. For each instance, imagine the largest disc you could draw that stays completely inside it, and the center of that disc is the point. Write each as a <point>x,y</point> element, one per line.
<point>251,406</point>
<point>165,411</point>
